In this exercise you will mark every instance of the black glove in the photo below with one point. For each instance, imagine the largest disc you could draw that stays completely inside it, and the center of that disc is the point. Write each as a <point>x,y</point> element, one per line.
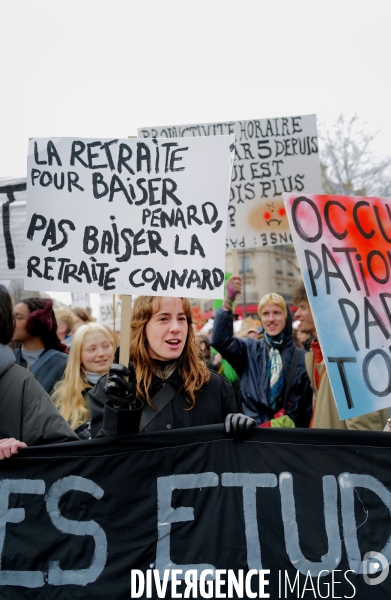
<point>119,391</point>
<point>239,426</point>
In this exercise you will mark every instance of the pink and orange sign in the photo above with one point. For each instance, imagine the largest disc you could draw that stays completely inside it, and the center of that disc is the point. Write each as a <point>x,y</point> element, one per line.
<point>343,245</point>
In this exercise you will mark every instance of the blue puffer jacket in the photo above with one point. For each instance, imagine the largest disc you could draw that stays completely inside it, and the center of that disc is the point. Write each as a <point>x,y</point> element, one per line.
<point>51,372</point>
<point>249,358</point>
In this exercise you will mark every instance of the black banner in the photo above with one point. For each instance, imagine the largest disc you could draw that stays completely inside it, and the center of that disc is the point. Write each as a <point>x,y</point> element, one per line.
<point>191,513</point>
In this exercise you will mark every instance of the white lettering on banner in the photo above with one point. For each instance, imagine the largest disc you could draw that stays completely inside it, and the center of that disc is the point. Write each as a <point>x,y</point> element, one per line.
<point>29,579</point>
<point>251,483</point>
<point>168,515</point>
<point>56,576</point>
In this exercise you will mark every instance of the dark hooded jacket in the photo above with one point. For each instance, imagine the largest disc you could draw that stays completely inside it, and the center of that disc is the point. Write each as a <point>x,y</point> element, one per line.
<point>249,358</point>
<point>27,413</point>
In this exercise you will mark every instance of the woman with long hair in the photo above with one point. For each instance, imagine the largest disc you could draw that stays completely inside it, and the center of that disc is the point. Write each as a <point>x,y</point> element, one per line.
<point>90,357</point>
<point>40,349</point>
<point>169,386</point>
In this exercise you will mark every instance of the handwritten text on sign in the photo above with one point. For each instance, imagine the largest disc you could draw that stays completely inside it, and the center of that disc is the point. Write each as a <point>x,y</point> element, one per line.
<point>128,216</point>
<point>12,227</point>
<point>344,249</point>
<point>272,156</point>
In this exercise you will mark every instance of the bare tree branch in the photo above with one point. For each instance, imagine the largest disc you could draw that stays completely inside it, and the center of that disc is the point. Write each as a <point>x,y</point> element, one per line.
<point>349,165</point>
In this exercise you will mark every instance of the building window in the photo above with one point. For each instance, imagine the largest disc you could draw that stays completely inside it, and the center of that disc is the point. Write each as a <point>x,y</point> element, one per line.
<point>279,288</point>
<point>289,268</point>
<point>244,264</point>
<point>278,267</point>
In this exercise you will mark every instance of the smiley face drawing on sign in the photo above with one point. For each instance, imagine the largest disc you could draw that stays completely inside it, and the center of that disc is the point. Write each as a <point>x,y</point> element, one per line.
<point>269,216</point>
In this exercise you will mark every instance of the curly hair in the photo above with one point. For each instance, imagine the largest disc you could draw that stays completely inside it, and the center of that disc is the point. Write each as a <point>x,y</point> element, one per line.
<point>42,323</point>
<point>191,369</point>
<point>299,293</point>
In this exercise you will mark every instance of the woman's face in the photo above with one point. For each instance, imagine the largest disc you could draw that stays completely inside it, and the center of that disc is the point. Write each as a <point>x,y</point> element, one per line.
<point>166,330</point>
<point>21,313</point>
<point>96,353</point>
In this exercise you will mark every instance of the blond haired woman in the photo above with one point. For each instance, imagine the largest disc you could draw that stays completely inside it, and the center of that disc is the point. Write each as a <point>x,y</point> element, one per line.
<point>169,386</point>
<point>275,389</point>
<point>90,357</point>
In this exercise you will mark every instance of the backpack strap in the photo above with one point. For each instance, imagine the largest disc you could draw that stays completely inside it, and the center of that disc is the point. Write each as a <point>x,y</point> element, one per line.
<point>292,373</point>
<point>163,397</point>
<point>42,360</point>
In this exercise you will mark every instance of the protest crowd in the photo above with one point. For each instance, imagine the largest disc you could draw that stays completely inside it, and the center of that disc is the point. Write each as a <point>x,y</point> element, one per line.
<point>80,391</point>
<point>74,385</point>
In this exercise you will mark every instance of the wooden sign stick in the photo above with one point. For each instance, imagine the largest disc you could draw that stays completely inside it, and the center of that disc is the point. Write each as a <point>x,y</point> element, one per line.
<point>124,336</point>
<point>114,320</point>
<point>126,309</point>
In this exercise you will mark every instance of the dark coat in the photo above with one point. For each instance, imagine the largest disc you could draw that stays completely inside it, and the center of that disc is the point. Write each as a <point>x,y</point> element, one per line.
<point>27,413</point>
<point>249,358</point>
<point>51,372</point>
<point>213,403</point>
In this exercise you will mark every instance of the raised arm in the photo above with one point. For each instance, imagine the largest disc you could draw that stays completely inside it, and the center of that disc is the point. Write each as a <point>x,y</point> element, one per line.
<point>233,349</point>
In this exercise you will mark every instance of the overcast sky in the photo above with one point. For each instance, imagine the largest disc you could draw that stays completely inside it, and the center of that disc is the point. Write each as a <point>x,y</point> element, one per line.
<point>98,68</point>
<point>103,68</point>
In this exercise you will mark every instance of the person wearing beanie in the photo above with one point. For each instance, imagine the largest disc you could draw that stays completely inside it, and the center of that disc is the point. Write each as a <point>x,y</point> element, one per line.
<point>275,388</point>
<point>40,350</point>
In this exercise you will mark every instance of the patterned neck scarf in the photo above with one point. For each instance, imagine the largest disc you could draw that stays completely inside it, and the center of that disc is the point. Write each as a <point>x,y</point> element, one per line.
<point>164,369</point>
<point>275,369</point>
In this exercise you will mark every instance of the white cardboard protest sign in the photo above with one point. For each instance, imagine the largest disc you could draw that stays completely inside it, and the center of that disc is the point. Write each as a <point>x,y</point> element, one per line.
<point>12,227</point>
<point>106,314</point>
<point>80,300</point>
<point>128,216</point>
<point>342,245</point>
<point>272,156</point>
